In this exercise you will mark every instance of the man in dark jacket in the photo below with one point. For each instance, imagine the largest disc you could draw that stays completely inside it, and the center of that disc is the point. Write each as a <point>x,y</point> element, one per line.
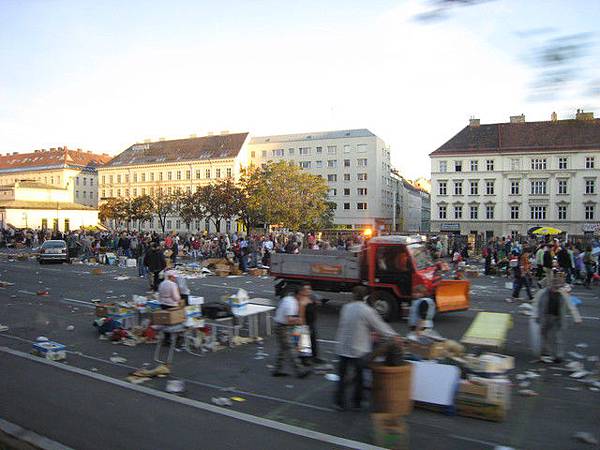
<point>564,262</point>
<point>155,261</point>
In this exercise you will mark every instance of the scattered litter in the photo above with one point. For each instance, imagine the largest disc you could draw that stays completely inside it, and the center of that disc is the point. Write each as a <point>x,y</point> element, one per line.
<point>41,339</point>
<point>524,384</point>
<point>531,374</point>
<point>547,359</point>
<point>118,359</point>
<point>221,401</point>
<point>582,345</point>
<point>526,309</point>
<point>3,328</point>
<point>238,399</point>
<point>270,366</point>
<point>521,376</point>
<point>42,292</point>
<point>575,366</point>
<point>70,328</point>
<point>121,278</point>
<point>332,377</point>
<point>593,358</point>
<point>585,437</point>
<point>576,355</point>
<point>528,393</point>
<point>580,374</point>
<point>137,380</point>
<point>289,386</point>
<point>594,389</point>
<point>259,357</point>
<point>96,300</point>
<point>175,386</point>
<point>571,388</point>
<point>94,369</point>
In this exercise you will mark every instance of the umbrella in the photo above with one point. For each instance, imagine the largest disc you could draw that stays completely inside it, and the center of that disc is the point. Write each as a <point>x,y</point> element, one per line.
<point>547,231</point>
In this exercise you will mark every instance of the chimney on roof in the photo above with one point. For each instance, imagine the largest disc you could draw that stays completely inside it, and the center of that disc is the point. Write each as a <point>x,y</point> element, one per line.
<point>554,116</point>
<point>473,122</point>
<point>15,153</point>
<point>517,119</point>
<point>224,132</point>
<point>581,115</point>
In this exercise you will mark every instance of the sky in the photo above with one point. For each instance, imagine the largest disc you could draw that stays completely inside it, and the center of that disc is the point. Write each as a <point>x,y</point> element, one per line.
<point>103,75</point>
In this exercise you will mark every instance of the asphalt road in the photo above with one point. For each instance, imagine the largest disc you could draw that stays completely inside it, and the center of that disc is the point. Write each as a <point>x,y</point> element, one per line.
<point>85,412</point>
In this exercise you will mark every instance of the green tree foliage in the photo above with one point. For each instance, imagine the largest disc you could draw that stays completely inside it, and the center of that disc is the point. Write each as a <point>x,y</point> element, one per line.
<point>163,204</point>
<point>114,209</point>
<point>141,209</point>
<point>220,200</point>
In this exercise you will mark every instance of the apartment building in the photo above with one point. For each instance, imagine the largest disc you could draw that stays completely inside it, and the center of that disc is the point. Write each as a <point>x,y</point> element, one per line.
<point>504,178</point>
<point>172,166</point>
<point>72,169</point>
<point>355,163</point>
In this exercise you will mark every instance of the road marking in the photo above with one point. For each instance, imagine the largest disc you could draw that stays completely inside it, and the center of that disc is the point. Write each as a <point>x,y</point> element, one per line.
<point>26,292</point>
<point>468,439</point>
<point>256,420</point>
<point>590,318</point>
<point>79,302</point>
<point>38,441</point>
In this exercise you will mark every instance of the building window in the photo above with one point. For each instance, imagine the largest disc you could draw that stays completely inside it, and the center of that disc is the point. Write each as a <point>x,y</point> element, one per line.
<point>443,166</point>
<point>207,174</point>
<point>118,179</point>
<point>160,176</point>
<point>489,212</point>
<point>332,177</point>
<point>252,154</point>
<point>179,174</point>
<point>143,191</point>
<point>135,192</point>
<point>346,191</point>
<point>538,213</point>
<point>111,193</point>
<point>169,190</point>
<point>443,188</point>
<point>169,224</point>
<point>589,212</point>
<point>562,212</point>
<point>458,212</point>
<point>319,164</point>
<point>473,212</point>
<point>538,164</point>
<point>361,191</point>
<point>489,165</point>
<point>77,181</point>
<point>514,212</point>
<point>77,194</point>
<point>458,166</point>
<point>103,193</point>
<point>346,177</point>
<point>291,151</point>
<point>589,162</point>
<point>277,152</point>
<point>332,163</point>
<point>474,165</point>
<point>538,187</point>
<point>332,192</point>
<point>362,162</point>
<point>304,151</point>
<point>442,212</point>
<point>458,187</point>
<point>85,180</point>
<point>228,172</point>
<point>135,177</point>
<point>361,205</point>
<point>144,177</point>
<point>304,164</point>
<point>118,192</point>
<point>361,148</point>
<point>361,177</point>
<point>169,176</point>
<point>178,224</point>
<point>331,149</point>
<point>319,150</point>
<point>346,205</point>
<point>562,186</point>
<point>110,179</point>
<point>474,187</point>
<point>590,186</point>
<point>489,187</point>
<point>198,174</point>
<point>515,186</point>
<point>103,179</point>
<point>91,181</point>
<point>346,163</point>
<point>562,163</point>
<point>217,173</point>
<point>264,155</point>
<point>188,174</point>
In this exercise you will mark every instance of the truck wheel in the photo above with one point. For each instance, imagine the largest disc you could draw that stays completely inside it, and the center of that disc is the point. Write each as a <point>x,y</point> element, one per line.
<point>385,304</point>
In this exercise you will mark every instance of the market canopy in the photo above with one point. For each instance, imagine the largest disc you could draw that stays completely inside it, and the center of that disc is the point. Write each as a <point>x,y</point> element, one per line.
<point>545,231</point>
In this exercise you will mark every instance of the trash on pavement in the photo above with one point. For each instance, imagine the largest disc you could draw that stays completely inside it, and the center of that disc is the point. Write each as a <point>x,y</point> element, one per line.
<point>3,327</point>
<point>118,359</point>
<point>175,386</point>
<point>50,350</point>
<point>121,278</point>
<point>41,339</point>
<point>332,377</point>
<point>137,380</point>
<point>70,328</point>
<point>528,393</point>
<point>576,355</point>
<point>221,401</point>
<point>238,399</point>
<point>585,437</point>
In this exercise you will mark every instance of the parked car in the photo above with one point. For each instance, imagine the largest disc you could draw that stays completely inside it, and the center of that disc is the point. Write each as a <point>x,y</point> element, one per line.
<point>54,250</point>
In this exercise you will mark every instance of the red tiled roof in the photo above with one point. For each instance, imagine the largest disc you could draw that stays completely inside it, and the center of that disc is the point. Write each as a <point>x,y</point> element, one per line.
<point>63,157</point>
<point>220,146</point>
<point>526,137</point>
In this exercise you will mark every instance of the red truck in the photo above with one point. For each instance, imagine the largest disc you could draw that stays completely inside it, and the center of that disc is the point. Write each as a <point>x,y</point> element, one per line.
<point>391,266</point>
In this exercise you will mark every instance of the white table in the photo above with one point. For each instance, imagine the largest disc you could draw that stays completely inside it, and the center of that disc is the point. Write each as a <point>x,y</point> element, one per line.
<point>252,312</point>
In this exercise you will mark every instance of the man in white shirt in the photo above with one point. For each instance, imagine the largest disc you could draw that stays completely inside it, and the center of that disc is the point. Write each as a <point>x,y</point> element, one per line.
<point>357,321</point>
<point>168,291</point>
<point>285,318</point>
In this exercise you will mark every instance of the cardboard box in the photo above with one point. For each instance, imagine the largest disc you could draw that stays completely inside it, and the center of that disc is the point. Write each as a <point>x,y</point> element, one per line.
<point>50,350</point>
<point>168,316</point>
<point>469,406</point>
<point>390,431</point>
<point>498,390</point>
<point>193,311</point>
<point>432,350</point>
<point>96,271</point>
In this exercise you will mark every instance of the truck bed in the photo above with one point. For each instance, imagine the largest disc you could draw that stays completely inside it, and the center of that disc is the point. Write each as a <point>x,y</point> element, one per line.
<point>332,265</point>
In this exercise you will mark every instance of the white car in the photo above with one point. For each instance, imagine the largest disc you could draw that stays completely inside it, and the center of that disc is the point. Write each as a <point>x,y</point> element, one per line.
<point>54,250</point>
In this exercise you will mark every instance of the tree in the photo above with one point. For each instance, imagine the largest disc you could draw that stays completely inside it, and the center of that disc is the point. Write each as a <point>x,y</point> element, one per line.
<point>115,209</point>
<point>141,209</point>
<point>250,208</point>
<point>163,204</point>
<point>288,196</point>
<point>190,207</point>
<point>220,200</point>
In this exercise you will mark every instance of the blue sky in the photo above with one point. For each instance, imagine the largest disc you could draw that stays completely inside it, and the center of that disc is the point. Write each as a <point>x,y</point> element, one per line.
<point>102,75</point>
